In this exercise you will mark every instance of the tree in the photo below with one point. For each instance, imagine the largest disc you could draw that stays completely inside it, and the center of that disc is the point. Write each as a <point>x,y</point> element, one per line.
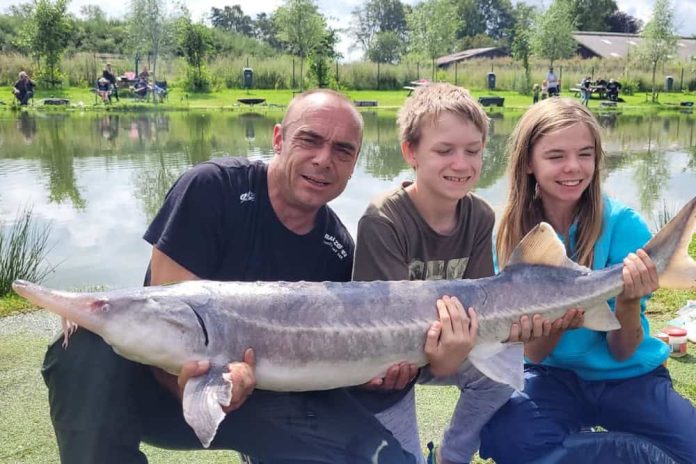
<point>148,28</point>
<point>386,47</point>
<point>433,25</point>
<point>301,27</point>
<point>195,41</point>
<point>521,39</point>
<point>552,36</point>
<point>48,32</point>
<point>265,30</point>
<point>591,15</point>
<point>493,18</point>
<point>659,41</point>
<point>321,56</point>
<point>373,20</point>
<point>620,21</point>
<point>232,19</point>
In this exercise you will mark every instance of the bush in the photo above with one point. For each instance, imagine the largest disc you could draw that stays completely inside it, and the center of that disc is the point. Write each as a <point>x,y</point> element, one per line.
<point>23,250</point>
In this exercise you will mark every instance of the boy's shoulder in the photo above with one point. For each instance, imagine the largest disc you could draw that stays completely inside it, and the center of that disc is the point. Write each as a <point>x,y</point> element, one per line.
<point>478,205</point>
<point>386,203</point>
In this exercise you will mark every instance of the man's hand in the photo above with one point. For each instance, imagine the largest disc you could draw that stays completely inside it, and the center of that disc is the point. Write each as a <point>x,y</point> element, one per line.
<point>451,338</point>
<point>397,377</point>
<point>241,374</point>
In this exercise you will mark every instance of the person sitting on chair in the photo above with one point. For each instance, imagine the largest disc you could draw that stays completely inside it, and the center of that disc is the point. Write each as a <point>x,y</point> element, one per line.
<point>109,75</point>
<point>104,89</point>
<point>613,88</point>
<point>160,90</point>
<point>24,88</point>
<point>140,88</point>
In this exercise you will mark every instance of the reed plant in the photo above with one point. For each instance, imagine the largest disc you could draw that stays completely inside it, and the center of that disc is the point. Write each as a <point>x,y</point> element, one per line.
<point>23,249</point>
<point>283,72</point>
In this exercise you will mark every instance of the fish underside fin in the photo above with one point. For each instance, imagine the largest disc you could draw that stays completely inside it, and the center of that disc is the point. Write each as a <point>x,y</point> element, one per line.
<point>541,246</point>
<point>669,249</point>
<point>502,362</point>
<point>203,397</point>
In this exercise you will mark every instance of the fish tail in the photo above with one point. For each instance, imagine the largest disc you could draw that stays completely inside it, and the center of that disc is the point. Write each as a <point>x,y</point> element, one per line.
<point>669,250</point>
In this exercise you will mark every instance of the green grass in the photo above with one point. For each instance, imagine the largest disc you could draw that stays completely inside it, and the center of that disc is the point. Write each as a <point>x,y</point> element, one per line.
<point>83,99</point>
<point>12,304</point>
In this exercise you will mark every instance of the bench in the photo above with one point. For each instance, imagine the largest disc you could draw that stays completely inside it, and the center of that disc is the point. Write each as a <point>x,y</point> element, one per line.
<point>56,101</point>
<point>600,90</point>
<point>365,102</point>
<point>410,89</point>
<point>491,101</point>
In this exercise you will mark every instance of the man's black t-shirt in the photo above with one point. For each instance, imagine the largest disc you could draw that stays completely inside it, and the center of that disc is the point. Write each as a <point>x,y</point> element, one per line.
<point>217,222</point>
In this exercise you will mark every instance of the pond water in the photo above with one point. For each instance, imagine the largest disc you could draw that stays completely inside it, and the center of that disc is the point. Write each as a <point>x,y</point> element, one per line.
<point>99,179</point>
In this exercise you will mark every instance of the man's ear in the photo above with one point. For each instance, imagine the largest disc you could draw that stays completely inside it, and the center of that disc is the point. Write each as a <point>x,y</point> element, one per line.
<point>409,154</point>
<point>277,138</point>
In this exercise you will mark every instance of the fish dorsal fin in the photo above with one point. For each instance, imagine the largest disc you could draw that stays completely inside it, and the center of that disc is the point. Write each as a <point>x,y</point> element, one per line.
<point>542,246</point>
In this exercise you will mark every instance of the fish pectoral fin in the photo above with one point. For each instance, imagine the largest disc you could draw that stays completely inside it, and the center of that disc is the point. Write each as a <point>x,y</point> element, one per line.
<point>542,246</point>
<point>502,362</point>
<point>601,318</point>
<point>203,399</point>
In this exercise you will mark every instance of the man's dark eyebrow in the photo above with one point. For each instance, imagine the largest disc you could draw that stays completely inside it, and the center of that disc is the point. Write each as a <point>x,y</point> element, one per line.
<point>309,133</point>
<point>350,146</point>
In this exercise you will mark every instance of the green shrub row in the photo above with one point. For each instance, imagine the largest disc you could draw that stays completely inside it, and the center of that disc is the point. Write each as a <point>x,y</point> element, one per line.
<point>283,72</point>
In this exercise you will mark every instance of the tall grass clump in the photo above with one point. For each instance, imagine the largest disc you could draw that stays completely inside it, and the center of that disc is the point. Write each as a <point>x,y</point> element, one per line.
<point>23,250</point>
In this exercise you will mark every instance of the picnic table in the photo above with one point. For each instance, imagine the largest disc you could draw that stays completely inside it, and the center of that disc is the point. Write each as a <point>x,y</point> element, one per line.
<point>595,89</point>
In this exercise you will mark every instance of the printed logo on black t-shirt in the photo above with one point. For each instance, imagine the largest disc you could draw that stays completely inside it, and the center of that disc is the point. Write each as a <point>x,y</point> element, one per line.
<point>249,196</point>
<point>336,246</point>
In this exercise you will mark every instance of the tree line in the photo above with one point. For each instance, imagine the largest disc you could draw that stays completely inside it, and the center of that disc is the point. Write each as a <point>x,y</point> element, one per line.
<point>385,31</point>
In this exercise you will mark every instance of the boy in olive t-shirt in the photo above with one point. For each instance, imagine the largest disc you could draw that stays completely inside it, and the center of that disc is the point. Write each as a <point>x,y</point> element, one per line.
<point>434,228</point>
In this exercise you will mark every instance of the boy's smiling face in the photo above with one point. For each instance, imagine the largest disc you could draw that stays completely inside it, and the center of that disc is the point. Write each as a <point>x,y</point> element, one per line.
<point>448,158</point>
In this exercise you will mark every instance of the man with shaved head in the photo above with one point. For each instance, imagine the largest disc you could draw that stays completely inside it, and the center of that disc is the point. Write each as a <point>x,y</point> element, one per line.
<point>233,219</point>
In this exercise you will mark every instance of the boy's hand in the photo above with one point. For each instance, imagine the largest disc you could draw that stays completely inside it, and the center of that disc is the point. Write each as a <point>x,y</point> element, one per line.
<point>451,338</point>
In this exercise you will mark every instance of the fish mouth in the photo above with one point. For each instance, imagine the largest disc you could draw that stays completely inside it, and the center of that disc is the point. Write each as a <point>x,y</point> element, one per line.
<point>83,309</point>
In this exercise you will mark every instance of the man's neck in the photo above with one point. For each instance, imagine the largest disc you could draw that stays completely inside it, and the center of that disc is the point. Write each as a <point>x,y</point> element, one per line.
<point>296,218</point>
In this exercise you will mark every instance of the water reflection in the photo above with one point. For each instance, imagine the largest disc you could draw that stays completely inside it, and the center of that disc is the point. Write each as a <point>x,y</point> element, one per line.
<point>27,126</point>
<point>103,177</point>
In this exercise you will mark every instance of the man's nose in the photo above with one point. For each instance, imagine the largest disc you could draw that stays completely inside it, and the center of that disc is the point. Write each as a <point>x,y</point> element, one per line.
<point>322,155</point>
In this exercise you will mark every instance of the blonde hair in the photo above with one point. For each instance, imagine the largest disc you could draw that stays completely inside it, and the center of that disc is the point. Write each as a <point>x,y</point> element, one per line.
<point>426,104</point>
<point>524,209</point>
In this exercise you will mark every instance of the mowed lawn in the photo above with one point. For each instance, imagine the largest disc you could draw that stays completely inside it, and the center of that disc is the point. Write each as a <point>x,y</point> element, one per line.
<point>26,435</point>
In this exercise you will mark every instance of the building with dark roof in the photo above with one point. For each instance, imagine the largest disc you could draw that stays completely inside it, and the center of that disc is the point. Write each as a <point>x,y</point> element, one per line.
<point>488,52</point>
<point>616,45</point>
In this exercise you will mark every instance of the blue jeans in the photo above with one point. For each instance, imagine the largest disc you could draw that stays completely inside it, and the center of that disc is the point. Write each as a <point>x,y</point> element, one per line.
<point>102,407</point>
<point>556,403</point>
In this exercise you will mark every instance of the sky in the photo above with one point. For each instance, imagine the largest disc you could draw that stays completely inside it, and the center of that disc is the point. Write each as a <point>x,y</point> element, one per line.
<point>338,12</point>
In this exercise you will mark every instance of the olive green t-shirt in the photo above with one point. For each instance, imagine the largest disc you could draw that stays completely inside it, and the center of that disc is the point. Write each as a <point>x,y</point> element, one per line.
<point>394,242</point>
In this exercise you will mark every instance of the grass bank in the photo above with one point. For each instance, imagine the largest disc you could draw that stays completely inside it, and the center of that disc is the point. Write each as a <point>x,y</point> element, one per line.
<point>84,100</point>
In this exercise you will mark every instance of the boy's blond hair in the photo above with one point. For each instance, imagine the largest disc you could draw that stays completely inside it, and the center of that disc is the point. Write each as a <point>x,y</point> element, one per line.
<point>426,104</point>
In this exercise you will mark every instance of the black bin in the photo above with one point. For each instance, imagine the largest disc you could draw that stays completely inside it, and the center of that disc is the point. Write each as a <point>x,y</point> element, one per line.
<point>248,77</point>
<point>669,83</point>
<point>491,80</point>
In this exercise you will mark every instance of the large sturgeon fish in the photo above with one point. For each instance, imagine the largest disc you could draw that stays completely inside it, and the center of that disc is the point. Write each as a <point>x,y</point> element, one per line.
<point>314,336</point>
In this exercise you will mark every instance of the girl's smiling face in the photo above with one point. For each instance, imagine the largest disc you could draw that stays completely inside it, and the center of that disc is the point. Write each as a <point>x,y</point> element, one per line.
<point>563,164</point>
